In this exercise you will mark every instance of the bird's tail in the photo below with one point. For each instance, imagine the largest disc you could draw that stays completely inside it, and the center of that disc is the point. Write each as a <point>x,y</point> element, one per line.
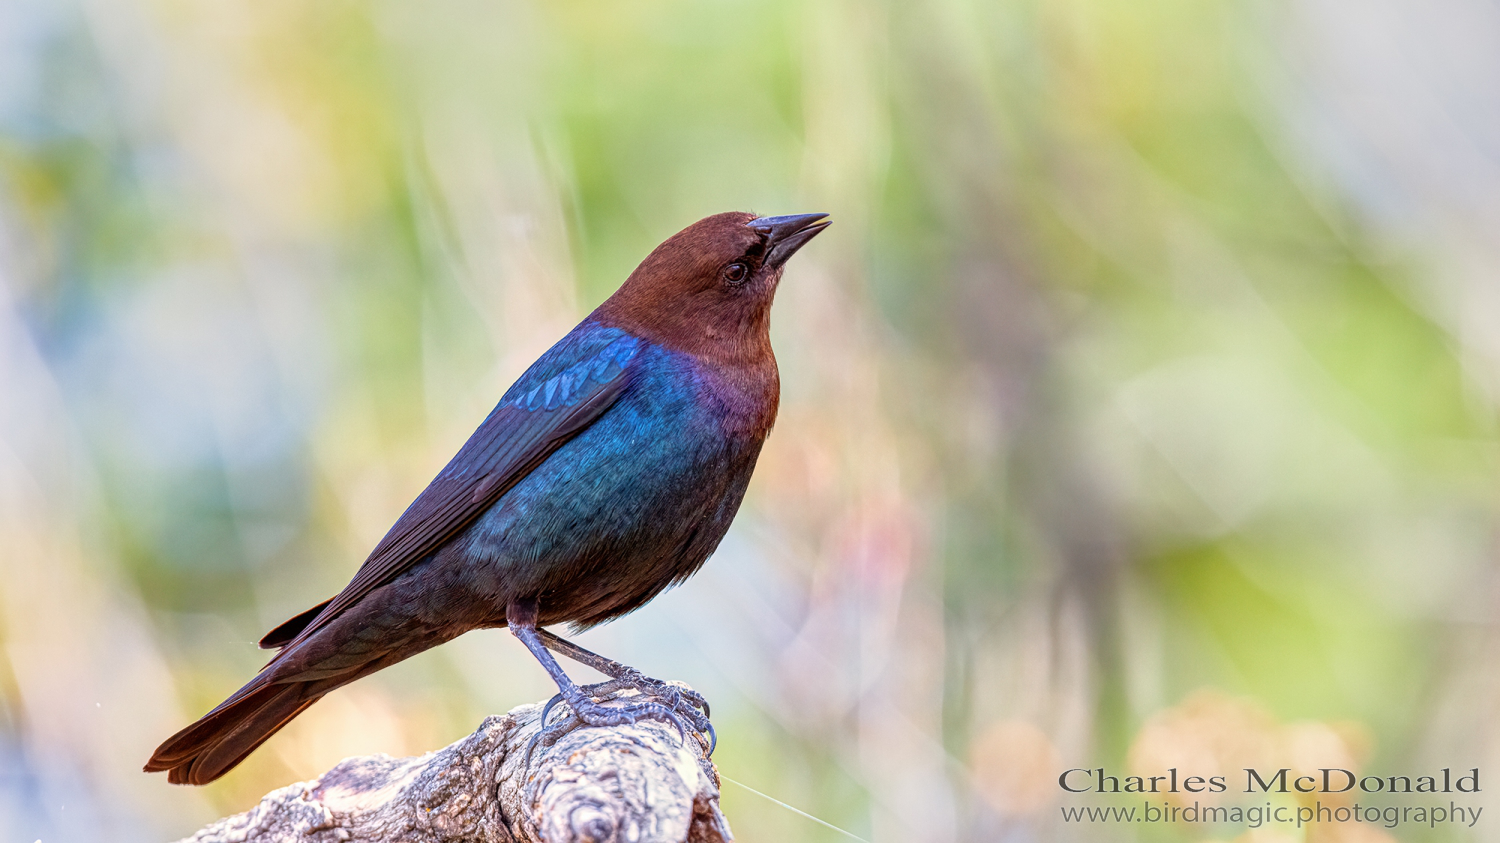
<point>213,746</point>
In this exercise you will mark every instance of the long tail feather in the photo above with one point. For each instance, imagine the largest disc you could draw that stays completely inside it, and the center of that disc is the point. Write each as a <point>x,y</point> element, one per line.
<point>283,635</point>
<point>213,746</point>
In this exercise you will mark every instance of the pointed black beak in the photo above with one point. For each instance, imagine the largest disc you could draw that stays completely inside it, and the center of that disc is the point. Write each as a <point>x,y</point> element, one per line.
<point>785,235</point>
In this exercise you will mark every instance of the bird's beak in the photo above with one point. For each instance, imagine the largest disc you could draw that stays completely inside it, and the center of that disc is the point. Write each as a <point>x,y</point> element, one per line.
<point>785,235</point>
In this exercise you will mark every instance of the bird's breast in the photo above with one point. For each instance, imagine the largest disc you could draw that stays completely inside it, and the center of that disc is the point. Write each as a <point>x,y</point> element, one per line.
<point>743,399</point>
<point>636,501</point>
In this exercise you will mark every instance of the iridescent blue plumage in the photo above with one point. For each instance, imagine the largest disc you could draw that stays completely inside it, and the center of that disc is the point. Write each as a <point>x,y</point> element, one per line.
<point>589,355</point>
<point>636,502</point>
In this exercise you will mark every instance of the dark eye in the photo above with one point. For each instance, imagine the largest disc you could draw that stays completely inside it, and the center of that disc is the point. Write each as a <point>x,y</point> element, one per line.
<point>736,273</point>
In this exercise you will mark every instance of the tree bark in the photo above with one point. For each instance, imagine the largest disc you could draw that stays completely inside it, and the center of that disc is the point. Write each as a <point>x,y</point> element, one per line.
<point>634,783</point>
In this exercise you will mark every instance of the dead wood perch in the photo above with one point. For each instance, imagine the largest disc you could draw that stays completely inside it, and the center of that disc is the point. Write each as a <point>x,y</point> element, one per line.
<point>626,783</point>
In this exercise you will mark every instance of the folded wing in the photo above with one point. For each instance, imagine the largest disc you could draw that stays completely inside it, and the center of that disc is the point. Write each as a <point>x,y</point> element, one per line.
<point>544,409</point>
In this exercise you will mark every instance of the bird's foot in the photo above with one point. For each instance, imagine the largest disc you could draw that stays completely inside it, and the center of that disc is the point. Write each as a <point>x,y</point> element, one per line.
<point>675,695</point>
<point>604,704</point>
<point>687,704</point>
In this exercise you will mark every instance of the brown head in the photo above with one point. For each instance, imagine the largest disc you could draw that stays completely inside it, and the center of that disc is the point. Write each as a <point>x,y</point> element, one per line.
<point>707,290</point>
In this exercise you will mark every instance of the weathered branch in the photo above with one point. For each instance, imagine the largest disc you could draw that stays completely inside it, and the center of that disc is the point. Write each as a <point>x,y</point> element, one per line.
<point>626,783</point>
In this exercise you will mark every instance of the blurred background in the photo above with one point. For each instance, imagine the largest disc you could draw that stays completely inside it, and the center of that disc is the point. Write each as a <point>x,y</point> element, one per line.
<point>1139,409</point>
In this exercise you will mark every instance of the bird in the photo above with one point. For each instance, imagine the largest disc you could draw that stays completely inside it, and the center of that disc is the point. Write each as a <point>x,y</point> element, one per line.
<point>609,471</point>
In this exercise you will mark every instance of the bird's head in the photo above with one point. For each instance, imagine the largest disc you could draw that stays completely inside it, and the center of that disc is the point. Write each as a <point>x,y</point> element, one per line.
<point>707,290</point>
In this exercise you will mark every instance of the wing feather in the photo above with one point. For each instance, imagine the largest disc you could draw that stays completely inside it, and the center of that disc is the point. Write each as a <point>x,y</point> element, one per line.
<point>536,417</point>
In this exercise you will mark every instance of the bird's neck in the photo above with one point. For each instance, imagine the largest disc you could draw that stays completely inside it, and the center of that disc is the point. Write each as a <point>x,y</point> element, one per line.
<point>734,354</point>
<point>748,395</point>
<point>725,338</point>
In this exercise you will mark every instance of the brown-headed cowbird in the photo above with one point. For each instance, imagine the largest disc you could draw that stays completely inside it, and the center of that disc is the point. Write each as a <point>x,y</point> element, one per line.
<point>607,473</point>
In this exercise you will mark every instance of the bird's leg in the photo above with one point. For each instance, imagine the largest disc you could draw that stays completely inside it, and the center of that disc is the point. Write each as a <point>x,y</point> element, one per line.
<point>680,698</point>
<point>624,676</point>
<point>521,617</point>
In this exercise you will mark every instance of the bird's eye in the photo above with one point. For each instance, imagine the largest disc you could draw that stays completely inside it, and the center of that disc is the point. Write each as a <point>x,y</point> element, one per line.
<point>736,273</point>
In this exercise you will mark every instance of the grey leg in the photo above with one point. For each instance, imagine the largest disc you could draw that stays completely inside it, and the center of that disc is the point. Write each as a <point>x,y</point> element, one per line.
<point>624,676</point>
<point>521,617</point>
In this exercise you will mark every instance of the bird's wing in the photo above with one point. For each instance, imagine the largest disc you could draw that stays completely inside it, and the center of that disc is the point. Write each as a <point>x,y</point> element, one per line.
<point>563,393</point>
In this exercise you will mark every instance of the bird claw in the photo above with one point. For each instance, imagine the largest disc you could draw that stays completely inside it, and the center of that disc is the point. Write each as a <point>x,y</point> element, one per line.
<point>671,703</point>
<point>682,700</point>
<point>673,694</point>
<point>547,709</point>
<point>645,684</point>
